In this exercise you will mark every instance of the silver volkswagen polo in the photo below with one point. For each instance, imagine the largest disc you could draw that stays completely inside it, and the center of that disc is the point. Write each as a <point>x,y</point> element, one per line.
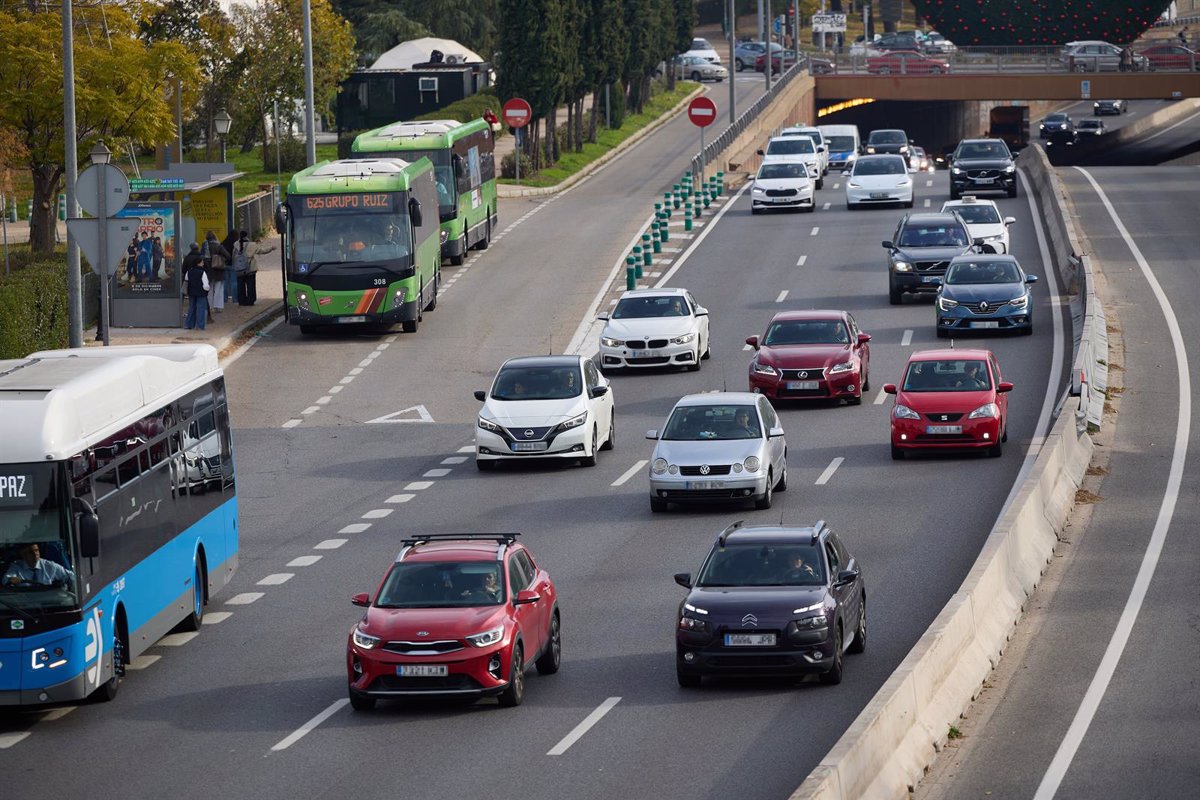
<point>718,447</point>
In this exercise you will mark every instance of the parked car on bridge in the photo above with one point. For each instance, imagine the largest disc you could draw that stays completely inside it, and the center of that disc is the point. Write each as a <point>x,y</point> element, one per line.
<point>906,62</point>
<point>746,53</point>
<point>1171,57</point>
<point>1093,56</point>
<point>935,43</point>
<point>701,47</point>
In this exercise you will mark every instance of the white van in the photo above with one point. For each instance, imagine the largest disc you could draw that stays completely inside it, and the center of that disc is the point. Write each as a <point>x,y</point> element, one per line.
<point>843,145</point>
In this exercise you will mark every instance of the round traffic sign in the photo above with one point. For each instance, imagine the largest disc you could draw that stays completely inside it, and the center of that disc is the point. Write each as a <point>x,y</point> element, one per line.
<point>516,113</point>
<point>702,112</point>
<point>116,190</point>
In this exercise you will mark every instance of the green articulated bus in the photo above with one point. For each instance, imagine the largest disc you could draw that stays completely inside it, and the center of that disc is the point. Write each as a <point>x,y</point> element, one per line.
<point>360,244</point>
<point>463,156</point>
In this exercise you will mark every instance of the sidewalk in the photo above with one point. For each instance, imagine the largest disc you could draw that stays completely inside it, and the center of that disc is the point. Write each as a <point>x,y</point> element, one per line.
<point>18,232</point>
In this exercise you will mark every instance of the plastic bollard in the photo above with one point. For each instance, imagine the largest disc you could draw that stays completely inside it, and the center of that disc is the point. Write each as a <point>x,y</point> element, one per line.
<point>62,207</point>
<point>11,210</point>
<point>630,274</point>
<point>687,220</point>
<point>647,258</point>
<point>698,207</point>
<point>29,209</point>
<point>664,232</point>
<point>676,199</point>
<point>655,239</point>
<point>720,183</point>
<point>707,200</point>
<point>657,210</point>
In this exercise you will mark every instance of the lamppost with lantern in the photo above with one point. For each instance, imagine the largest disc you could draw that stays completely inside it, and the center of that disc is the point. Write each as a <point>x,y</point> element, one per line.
<point>222,122</point>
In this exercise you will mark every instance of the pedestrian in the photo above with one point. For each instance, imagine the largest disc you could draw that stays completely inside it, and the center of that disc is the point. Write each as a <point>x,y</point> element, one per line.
<point>241,267</point>
<point>196,288</point>
<point>491,119</point>
<point>231,277</point>
<point>1183,36</point>
<point>250,278</point>
<point>156,260</point>
<point>216,258</point>
<point>1126,59</point>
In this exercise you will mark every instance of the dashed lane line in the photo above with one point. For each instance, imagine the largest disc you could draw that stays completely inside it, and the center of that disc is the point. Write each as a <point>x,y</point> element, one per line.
<point>800,261</point>
<point>454,460</point>
<point>244,599</point>
<point>400,498</point>
<point>216,617</point>
<point>7,740</point>
<point>276,579</point>
<point>330,544</point>
<point>335,389</point>
<point>816,229</point>
<point>926,202</point>
<point>826,207</point>
<point>378,513</point>
<point>304,561</point>
<point>309,726</point>
<point>629,473</point>
<point>468,449</point>
<point>828,473</point>
<point>177,639</point>
<point>436,473</point>
<point>355,527</point>
<point>143,661</point>
<point>906,340</point>
<point>291,423</point>
<point>417,486</point>
<point>583,727</point>
<point>782,296</point>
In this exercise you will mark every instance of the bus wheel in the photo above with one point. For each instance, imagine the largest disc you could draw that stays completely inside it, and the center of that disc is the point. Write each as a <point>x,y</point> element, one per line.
<point>195,617</point>
<point>108,690</point>
<point>458,260</point>
<point>487,236</point>
<point>410,325</point>
<point>437,288</point>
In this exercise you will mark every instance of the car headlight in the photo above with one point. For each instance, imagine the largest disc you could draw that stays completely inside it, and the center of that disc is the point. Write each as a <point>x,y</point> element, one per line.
<point>853,185</point>
<point>692,624</point>
<point>904,412</point>
<point>751,464</point>
<point>945,303</point>
<point>956,171</point>
<point>757,190</point>
<point>607,342</point>
<point>1096,104</point>
<point>487,637</point>
<point>870,149</point>
<point>1041,126</point>
<point>659,466</point>
<point>809,623</point>
<point>903,148</point>
<point>302,301</point>
<point>573,422</point>
<point>763,369</point>
<point>902,266</point>
<point>845,366</point>
<point>1010,169</point>
<point>987,411</point>
<point>365,640</point>
<point>1019,302</point>
<point>687,337</point>
<point>488,425</point>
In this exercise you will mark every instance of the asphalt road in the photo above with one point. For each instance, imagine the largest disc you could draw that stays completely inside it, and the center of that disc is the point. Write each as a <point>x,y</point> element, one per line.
<point>326,499</point>
<point>1139,732</point>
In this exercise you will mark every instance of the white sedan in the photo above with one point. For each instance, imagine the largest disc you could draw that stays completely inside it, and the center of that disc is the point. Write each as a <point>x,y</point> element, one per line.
<point>655,328</point>
<point>983,221</point>
<point>878,179</point>
<point>782,185</point>
<point>545,407</point>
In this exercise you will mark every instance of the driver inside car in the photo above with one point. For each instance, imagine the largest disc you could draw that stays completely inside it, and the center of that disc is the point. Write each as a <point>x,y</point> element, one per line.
<point>32,569</point>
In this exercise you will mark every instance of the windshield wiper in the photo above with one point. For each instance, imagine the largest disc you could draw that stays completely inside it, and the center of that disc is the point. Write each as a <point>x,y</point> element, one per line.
<point>19,610</point>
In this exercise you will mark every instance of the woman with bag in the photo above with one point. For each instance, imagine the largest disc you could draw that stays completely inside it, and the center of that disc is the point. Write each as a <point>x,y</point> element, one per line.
<point>216,259</point>
<point>249,286</point>
<point>242,251</point>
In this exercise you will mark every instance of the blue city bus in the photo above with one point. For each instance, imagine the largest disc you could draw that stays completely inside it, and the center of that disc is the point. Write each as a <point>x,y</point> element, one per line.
<point>118,511</point>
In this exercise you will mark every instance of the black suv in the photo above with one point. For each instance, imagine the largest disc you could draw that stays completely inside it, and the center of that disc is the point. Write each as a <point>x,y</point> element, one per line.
<point>1055,123</point>
<point>888,140</point>
<point>982,165</point>
<point>771,601</point>
<point>920,251</point>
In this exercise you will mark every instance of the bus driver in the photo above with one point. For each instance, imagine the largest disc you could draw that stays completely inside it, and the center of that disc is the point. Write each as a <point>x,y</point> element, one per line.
<point>31,568</point>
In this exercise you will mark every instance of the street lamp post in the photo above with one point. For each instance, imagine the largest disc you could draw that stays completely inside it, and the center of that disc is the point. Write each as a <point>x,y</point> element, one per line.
<point>100,156</point>
<point>222,122</point>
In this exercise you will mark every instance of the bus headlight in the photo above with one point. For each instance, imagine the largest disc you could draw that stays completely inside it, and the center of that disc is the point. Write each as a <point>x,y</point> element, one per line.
<point>302,301</point>
<point>443,236</point>
<point>398,298</point>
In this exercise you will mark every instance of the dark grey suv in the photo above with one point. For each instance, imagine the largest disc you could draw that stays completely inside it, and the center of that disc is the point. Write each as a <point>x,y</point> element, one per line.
<point>920,251</point>
<point>982,165</point>
<point>786,601</point>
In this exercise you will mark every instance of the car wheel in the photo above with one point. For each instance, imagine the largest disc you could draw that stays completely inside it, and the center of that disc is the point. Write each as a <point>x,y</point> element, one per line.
<point>707,349</point>
<point>696,77</point>
<point>687,681</point>
<point>866,381</point>
<point>1027,330</point>
<point>834,676</point>
<point>909,204</point>
<point>658,505</point>
<point>1004,435</point>
<point>955,193</point>
<point>695,365</point>
<point>895,295</point>
<point>590,460</point>
<point>885,71</point>
<point>781,485</point>
<point>1012,192</point>
<point>754,210</point>
<point>851,206</point>
<point>437,286</point>
<point>996,450</point>
<point>484,466</point>
<point>942,333</point>
<point>897,453</point>
<point>360,702</point>
<point>514,693</point>
<point>860,633</point>
<point>764,502</point>
<point>856,400</point>
<point>611,441</point>
<point>550,660</point>
<point>820,184</point>
<point>738,65</point>
<point>810,209</point>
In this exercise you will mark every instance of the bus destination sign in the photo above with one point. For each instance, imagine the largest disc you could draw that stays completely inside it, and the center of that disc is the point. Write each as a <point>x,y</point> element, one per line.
<point>368,203</point>
<point>16,490</point>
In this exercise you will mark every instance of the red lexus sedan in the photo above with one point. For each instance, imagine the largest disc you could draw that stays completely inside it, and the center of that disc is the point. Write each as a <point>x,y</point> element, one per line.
<point>457,614</point>
<point>950,399</point>
<point>811,355</point>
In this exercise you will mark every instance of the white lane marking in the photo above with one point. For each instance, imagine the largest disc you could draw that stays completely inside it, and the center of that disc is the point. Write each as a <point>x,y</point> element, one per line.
<point>1166,511</point>
<point>366,362</point>
<point>468,449</point>
<point>335,389</point>
<point>304,561</point>
<point>816,229</point>
<point>324,401</point>
<point>276,579</point>
<point>400,498</point>
<point>879,398</point>
<point>143,661</point>
<point>309,726</point>
<point>826,206</point>
<point>330,544</point>
<point>371,356</point>
<point>356,371</point>
<point>417,486</point>
<point>672,249</point>
<point>291,423</point>
<point>629,473</point>
<point>311,410</point>
<point>378,513</point>
<point>347,379</point>
<point>244,599</point>
<point>747,347</point>
<point>383,346</point>
<point>837,186</point>
<point>1173,127</point>
<point>929,182</point>
<point>391,338</point>
<point>355,527</point>
<point>906,340</point>
<point>59,713</point>
<point>177,639</point>
<point>782,296</point>
<point>416,413</point>
<point>436,473</point>
<point>583,727</point>
<point>7,740</point>
<point>216,617</point>
<point>828,473</point>
<point>926,202</point>
<point>800,261</point>
<point>454,460</point>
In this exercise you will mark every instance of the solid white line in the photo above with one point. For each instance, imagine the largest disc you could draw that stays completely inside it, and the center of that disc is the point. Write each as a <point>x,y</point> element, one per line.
<point>436,473</point>
<point>355,527</point>
<point>629,473</point>
<point>400,498</point>
<point>7,740</point>
<point>244,599</point>
<point>454,460</point>
<point>782,296</point>
<point>304,561</point>
<point>879,398</point>
<point>1168,130</point>
<point>417,486</point>
<point>816,229</point>
<point>828,473</point>
<point>216,617</point>
<point>291,423</point>
<point>1120,637</point>
<point>378,513</point>
<point>800,261</point>
<point>143,661</point>
<point>276,579</point>
<point>582,728</point>
<point>906,340</point>
<point>241,351</point>
<point>309,726</point>
<point>177,639</point>
<point>330,544</point>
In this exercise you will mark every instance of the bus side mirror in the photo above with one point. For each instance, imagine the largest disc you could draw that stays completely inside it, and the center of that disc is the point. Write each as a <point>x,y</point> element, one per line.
<point>89,535</point>
<point>458,163</point>
<point>414,211</point>
<point>280,219</point>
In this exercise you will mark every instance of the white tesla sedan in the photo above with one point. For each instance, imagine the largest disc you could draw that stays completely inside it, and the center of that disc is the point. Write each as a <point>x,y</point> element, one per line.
<point>878,179</point>
<point>782,185</point>
<point>655,328</point>
<point>983,221</point>
<point>545,407</point>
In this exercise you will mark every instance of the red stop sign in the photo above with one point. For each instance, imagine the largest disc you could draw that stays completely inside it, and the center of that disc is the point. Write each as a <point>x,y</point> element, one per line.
<point>516,113</point>
<point>702,112</point>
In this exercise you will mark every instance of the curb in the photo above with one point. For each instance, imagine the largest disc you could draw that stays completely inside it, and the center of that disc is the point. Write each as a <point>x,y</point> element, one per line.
<point>505,190</point>
<point>231,339</point>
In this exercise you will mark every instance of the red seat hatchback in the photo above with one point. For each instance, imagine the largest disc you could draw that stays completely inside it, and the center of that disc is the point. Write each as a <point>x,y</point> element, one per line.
<point>950,399</point>
<point>807,355</point>
<point>462,615</point>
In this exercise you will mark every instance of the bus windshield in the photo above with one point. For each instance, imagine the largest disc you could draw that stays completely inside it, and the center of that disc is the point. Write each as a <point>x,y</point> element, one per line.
<point>36,567</point>
<point>348,229</point>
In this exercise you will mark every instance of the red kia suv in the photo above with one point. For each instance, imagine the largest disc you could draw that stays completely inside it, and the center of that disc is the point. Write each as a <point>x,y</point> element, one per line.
<point>811,355</point>
<point>457,614</point>
<point>950,399</point>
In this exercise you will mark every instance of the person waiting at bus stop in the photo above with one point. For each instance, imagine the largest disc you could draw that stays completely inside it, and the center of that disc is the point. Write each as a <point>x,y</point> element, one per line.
<point>31,569</point>
<point>195,287</point>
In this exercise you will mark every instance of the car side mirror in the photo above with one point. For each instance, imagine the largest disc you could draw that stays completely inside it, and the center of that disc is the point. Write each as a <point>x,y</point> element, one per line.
<point>414,211</point>
<point>846,172</point>
<point>652,434</point>
<point>889,388</point>
<point>888,245</point>
<point>603,316</point>
<point>480,395</point>
<point>599,391</point>
<point>846,576</point>
<point>821,149</point>
<point>775,432</point>
<point>701,311</point>
<point>361,599</point>
<point>1004,386</point>
<point>752,341</point>
<point>863,338</point>
<point>281,219</point>
<point>1010,220</point>
<point>525,597</point>
<point>89,534</point>
<point>684,579</point>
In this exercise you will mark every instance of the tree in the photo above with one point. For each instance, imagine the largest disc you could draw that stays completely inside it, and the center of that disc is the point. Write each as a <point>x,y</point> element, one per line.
<point>383,30</point>
<point>380,25</point>
<point>606,41</point>
<point>640,22</point>
<point>531,43</point>
<point>119,95</point>
<point>890,12</point>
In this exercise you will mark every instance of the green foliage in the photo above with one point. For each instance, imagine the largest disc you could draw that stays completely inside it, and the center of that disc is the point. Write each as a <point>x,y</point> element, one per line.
<point>33,307</point>
<point>469,108</point>
<point>292,154</point>
<point>508,166</point>
<point>380,25</point>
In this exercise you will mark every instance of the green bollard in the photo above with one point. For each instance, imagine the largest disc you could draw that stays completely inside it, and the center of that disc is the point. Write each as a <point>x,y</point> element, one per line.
<point>698,208</point>
<point>720,183</point>
<point>687,220</point>
<point>657,210</point>
<point>630,274</point>
<point>655,238</point>
<point>62,206</point>
<point>676,199</point>
<point>11,210</point>
<point>664,231</point>
<point>28,209</point>
<point>647,258</point>
<point>637,259</point>
<point>707,200</point>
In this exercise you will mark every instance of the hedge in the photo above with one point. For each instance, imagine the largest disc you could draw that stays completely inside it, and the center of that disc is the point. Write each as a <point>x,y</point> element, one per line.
<point>33,308</point>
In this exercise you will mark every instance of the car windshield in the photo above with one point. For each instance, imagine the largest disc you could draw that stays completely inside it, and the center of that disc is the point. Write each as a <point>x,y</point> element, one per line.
<point>700,423</point>
<point>880,166</point>
<point>933,236</point>
<point>840,144</point>
<point>963,273</point>
<point>1057,118</point>
<point>887,137</point>
<point>949,375</point>
<point>442,584</point>
<point>982,150</point>
<point>701,44</point>
<point>772,171</point>
<point>978,215</point>
<point>807,331</point>
<point>538,383</point>
<point>1090,123</point>
<point>792,145</point>
<point>643,307</point>
<point>763,565</point>
<point>36,566</point>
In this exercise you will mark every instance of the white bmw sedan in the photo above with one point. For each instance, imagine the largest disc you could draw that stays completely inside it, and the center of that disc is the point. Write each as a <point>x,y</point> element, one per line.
<point>545,407</point>
<point>878,179</point>
<point>655,328</point>
<point>782,185</point>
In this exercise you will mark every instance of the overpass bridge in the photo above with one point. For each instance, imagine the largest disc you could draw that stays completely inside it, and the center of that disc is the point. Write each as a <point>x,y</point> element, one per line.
<point>1007,86</point>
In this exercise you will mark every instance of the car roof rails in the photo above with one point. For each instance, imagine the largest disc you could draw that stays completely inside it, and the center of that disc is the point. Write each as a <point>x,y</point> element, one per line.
<point>728,530</point>
<point>818,529</point>
<point>503,539</point>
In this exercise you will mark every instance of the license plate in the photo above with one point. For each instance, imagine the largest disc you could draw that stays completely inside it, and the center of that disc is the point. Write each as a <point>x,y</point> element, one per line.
<point>784,199</point>
<point>985,324</point>
<point>985,180</point>
<point>704,485</point>
<point>929,278</point>
<point>647,354</point>
<point>749,640</point>
<point>803,385</point>
<point>943,428</point>
<point>879,195</point>
<point>526,447</point>
<point>422,670</point>
<point>351,319</point>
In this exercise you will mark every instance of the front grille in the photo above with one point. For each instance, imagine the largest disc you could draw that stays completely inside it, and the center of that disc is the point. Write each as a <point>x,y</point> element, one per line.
<point>705,494</point>
<point>975,309</point>
<point>650,361</point>
<point>518,434</point>
<point>407,648</point>
<point>713,469</point>
<point>983,173</point>
<point>932,266</point>
<point>813,374</point>
<point>782,192</point>
<point>642,344</point>
<point>943,417</point>
<point>395,683</point>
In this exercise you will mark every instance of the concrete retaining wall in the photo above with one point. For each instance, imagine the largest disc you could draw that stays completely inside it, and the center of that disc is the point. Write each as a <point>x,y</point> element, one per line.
<point>793,106</point>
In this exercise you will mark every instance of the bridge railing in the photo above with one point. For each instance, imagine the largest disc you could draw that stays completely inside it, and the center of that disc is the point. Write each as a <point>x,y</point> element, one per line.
<point>969,60</point>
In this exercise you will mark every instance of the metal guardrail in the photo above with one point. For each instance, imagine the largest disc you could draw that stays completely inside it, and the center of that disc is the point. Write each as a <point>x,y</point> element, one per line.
<point>255,213</point>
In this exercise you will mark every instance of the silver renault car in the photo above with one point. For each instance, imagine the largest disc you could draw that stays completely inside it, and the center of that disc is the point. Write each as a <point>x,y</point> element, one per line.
<point>718,447</point>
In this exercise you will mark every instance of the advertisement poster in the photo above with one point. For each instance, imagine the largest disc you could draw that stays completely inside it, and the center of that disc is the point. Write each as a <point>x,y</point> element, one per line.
<point>210,209</point>
<point>151,264</point>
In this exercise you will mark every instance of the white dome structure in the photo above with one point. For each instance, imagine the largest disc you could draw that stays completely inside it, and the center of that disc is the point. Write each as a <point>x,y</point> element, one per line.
<point>418,51</point>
